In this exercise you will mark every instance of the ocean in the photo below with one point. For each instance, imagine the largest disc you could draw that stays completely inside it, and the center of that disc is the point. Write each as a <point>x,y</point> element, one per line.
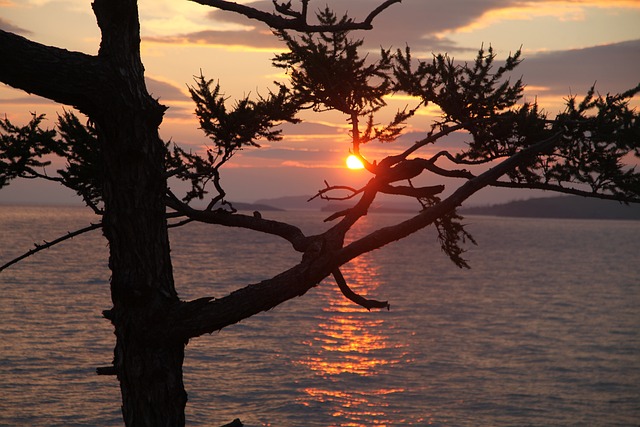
<point>543,330</point>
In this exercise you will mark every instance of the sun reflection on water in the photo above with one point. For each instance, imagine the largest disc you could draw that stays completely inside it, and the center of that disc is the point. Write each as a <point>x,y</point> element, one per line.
<point>349,340</point>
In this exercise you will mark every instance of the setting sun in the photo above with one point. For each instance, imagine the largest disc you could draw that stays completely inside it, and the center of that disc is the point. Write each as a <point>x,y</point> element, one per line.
<point>353,162</point>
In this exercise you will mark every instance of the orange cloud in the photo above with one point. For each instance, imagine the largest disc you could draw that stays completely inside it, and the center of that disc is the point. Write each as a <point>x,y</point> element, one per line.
<point>250,40</point>
<point>564,10</point>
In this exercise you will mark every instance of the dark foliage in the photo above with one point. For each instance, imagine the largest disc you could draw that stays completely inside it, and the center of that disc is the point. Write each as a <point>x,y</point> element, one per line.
<point>229,130</point>
<point>22,149</point>
<point>592,138</point>
<point>25,152</point>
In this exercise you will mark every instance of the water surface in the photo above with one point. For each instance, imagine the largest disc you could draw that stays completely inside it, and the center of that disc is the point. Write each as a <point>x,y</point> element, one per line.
<point>543,330</point>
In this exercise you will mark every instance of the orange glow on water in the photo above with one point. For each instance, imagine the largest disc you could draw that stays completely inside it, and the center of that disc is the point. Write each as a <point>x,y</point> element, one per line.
<point>348,341</point>
<point>351,342</point>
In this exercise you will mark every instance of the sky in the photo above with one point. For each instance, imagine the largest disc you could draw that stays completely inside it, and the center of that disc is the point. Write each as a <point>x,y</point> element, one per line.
<point>567,47</point>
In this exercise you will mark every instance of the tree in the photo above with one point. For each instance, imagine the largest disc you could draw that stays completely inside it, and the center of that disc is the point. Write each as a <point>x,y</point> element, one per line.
<point>120,166</point>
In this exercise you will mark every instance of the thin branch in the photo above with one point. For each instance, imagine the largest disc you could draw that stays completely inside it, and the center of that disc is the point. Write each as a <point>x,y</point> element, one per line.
<point>30,173</point>
<point>338,214</point>
<point>566,190</point>
<point>285,9</point>
<point>206,315</point>
<point>87,201</point>
<point>322,193</point>
<point>106,370</point>
<point>449,173</point>
<point>430,139</point>
<point>354,297</point>
<point>291,233</point>
<point>378,10</point>
<point>73,234</point>
<point>457,161</point>
<point>297,20</point>
<point>463,173</point>
<point>180,223</point>
<point>386,235</point>
<point>47,245</point>
<point>33,174</point>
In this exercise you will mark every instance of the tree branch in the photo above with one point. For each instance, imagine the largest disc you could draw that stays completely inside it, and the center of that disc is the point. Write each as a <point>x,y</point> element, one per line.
<point>386,235</point>
<point>206,315</point>
<point>290,233</point>
<point>322,193</point>
<point>565,190</point>
<point>378,10</point>
<point>417,192</point>
<point>297,20</point>
<point>457,161</point>
<point>47,245</point>
<point>430,139</point>
<point>354,297</point>
<point>70,78</point>
<point>322,257</point>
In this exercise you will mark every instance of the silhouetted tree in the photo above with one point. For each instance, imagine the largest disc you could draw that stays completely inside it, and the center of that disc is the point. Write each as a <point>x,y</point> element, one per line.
<point>119,165</point>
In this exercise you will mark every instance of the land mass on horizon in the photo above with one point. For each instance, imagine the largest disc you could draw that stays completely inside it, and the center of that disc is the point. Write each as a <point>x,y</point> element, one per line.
<point>545,207</point>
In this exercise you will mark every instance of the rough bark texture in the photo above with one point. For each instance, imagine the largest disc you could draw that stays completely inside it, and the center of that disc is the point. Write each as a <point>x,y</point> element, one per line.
<point>148,365</point>
<point>66,77</point>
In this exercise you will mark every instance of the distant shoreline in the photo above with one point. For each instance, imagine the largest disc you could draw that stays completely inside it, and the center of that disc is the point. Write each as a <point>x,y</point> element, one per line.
<point>568,207</point>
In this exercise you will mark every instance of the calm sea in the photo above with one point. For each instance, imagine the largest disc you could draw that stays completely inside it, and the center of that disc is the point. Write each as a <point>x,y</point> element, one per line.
<point>544,330</point>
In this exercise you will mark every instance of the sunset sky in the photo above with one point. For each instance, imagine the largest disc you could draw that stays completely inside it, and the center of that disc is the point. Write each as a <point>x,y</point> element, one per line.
<point>567,46</point>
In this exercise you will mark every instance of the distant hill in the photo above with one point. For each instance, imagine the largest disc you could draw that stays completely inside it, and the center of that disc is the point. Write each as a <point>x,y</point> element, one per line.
<point>378,207</point>
<point>254,207</point>
<point>294,203</point>
<point>548,207</point>
<point>560,207</point>
<point>241,206</point>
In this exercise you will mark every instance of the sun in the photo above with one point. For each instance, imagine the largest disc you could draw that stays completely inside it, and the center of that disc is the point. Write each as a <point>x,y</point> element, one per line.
<point>353,162</point>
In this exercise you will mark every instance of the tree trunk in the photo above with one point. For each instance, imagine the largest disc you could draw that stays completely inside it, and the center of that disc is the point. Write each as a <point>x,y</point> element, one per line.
<point>110,89</point>
<point>147,362</point>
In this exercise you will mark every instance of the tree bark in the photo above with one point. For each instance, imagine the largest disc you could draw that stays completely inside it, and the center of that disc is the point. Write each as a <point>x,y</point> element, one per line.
<point>71,78</point>
<point>110,89</point>
<point>147,362</point>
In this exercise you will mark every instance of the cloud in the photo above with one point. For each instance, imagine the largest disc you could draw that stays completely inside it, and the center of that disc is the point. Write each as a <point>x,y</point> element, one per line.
<point>420,22</point>
<point>180,104</point>
<point>304,156</point>
<point>426,26</point>
<point>312,128</point>
<point>414,15</point>
<point>614,68</point>
<point>417,23</point>
<point>164,90</point>
<point>253,39</point>
<point>9,27</point>
<point>529,10</point>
